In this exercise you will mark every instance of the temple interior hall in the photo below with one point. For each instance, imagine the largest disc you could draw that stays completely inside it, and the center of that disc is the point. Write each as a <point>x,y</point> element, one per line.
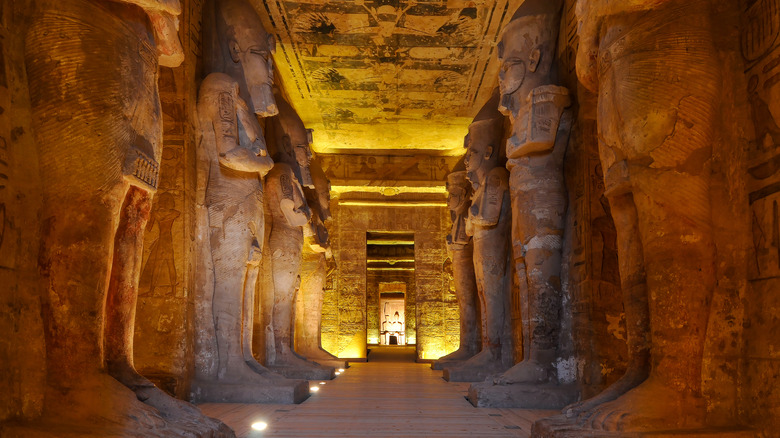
<point>390,218</point>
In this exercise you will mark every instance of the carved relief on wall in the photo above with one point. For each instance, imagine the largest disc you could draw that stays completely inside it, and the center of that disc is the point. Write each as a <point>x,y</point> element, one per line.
<point>760,44</point>
<point>9,231</point>
<point>378,168</point>
<point>159,275</point>
<point>368,66</point>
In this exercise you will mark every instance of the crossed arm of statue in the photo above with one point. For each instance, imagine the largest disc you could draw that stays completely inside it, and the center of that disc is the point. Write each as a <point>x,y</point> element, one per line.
<point>489,199</point>
<point>590,16</point>
<point>224,110</point>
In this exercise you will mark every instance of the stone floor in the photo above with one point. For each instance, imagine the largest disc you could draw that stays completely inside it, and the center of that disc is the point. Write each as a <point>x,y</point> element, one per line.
<point>388,396</point>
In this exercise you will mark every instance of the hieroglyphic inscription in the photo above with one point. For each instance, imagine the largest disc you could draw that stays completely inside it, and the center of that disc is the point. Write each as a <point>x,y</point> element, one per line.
<point>9,233</point>
<point>760,44</point>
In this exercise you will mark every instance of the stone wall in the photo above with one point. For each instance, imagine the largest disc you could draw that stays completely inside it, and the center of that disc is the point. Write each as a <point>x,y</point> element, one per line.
<point>593,334</point>
<point>760,53</point>
<point>22,373</point>
<point>429,305</point>
<point>164,329</point>
<point>739,353</point>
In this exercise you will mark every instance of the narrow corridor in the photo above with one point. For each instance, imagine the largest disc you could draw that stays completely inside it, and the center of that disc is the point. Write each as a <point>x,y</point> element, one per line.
<point>380,399</point>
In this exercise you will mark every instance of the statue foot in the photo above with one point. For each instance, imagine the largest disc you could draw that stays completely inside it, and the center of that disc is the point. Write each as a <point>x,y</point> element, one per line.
<point>630,380</point>
<point>528,372</point>
<point>127,375</point>
<point>250,373</point>
<point>651,406</point>
<point>461,353</point>
<point>179,411</point>
<point>476,369</point>
<point>291,365</point>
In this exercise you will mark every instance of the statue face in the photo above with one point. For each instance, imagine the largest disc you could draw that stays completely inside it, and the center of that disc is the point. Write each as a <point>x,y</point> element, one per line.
<point>481,153</point>
<point>302,154</point>
<point>457,192</point>
<point>251,47</point>
<point>519,56</point>
<point>257,63</point>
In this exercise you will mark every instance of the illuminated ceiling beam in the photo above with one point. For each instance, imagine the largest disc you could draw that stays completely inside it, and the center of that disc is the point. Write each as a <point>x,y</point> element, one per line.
<point>371,268</point>
<point>389,242</point>
<point>389,260</point>
<point>437,189</point>
<point>413,204</point>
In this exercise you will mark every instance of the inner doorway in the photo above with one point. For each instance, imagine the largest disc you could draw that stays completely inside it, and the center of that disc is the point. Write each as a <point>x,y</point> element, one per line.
<point>390,301</point>
<point>392,312</point>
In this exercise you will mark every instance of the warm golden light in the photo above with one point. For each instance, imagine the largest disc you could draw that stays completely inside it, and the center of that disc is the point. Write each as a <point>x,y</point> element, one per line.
<point>341,370</point>
<point>389,190</point>
<point>322,383</point>
<point>314,388</point>
<point>392,204</point>
<point>260,425</point>
<point>338,372</point>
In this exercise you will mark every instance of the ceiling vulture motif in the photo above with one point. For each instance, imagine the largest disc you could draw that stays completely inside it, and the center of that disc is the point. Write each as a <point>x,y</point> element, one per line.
<point>385,75</point>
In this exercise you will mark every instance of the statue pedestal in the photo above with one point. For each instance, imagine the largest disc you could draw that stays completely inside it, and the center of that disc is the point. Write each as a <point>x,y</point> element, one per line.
<point>560,426</point>
<point>518,395</point>
<point>310,371</point>
<point>279,391</point>
<point>465,372</point>
<point>335,363</point>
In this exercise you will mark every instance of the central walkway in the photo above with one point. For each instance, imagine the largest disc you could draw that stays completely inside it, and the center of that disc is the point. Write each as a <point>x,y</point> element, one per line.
<point>380,398</point>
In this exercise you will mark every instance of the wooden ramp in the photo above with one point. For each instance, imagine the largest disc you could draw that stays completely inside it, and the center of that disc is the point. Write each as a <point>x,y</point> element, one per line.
<point>380,399</point>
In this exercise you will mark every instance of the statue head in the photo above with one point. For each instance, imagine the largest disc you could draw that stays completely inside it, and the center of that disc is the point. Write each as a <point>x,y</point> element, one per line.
<point>246,48</point>
<point>321,189</point>
<point>484,149</point>
<point>295,140</point>
<point>526,50</point>
<point>458,192</point>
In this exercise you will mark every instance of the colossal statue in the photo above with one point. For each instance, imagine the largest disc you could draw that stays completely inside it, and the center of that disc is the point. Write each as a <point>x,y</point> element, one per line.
<point>318,263</point>
<point>240,74</point>
<point>289,213</point>
<point>92,69</point>
<point>535,151</point>
<point>461,251</point>
<point>655,70</point>
<point>489,221</point>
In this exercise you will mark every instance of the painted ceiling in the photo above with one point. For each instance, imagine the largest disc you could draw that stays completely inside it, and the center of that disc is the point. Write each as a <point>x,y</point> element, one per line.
<point>378,76</point>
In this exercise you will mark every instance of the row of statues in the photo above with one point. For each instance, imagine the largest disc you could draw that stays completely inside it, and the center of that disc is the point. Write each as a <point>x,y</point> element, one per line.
<point>92,69</point>
<point>254,175</point>
<point>653,66</point>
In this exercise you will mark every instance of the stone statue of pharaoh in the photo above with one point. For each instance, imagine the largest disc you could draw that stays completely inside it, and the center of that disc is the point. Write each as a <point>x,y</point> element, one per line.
<point>489,221</point>
<point>293,141</point>
<point>240,75</point>
<point>655,149</point>
<point>289,213</point>
<point>92,68</point>
<point>461,251</point>
<point>318,262</point>
<point>535,152</point>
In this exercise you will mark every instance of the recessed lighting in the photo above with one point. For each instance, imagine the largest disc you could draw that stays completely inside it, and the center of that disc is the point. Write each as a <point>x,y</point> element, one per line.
<point>314,388</point>
<point>341,370</point>
<point>260,425</point>
<point>322,383</point>
<point>338,372</point>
